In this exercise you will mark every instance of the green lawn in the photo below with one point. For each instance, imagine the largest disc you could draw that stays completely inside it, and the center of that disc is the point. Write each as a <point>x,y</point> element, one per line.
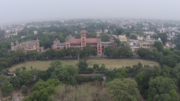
<point>110,63</point>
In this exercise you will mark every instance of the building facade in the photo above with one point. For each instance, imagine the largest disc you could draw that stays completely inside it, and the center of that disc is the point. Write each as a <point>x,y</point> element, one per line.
<point>142,42</point>
<point>122,38</point>
<point>27,46</point>
<point>81,42</point>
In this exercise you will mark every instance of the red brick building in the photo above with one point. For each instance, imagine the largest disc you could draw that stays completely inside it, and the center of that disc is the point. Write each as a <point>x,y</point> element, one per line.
<point>74,43</point>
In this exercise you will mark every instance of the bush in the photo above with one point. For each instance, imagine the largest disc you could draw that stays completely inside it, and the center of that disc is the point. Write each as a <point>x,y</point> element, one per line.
<point>90,70</point>
<point>82,65</point>
<point>81,79</point>
<point>24,89</point>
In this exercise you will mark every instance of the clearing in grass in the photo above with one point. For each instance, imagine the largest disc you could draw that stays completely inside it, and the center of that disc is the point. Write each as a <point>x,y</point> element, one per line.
<point>110,63</point>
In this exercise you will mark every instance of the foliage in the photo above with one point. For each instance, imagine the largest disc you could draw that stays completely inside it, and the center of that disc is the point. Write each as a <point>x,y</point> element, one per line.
<point>142,52</point>
<point>133,36</point>
<point>158,45</point>
<point>163,37</point>
<point>142,81</point>
<point>80,93</point>
<point>82,65</point>
<point>124,90</point>
<point>24,78</point>
<point>24,89</point>
<point>42,90</point>
<point>160,87</point>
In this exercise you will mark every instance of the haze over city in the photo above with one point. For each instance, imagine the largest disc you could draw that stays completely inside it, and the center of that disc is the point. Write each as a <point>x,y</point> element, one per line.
<point>14,11</point>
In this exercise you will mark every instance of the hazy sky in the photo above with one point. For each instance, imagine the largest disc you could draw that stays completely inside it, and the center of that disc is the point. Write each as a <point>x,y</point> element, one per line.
<point>12,11</point>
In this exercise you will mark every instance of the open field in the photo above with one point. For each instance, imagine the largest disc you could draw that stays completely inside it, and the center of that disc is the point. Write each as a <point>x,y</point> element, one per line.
<point>110,63</point>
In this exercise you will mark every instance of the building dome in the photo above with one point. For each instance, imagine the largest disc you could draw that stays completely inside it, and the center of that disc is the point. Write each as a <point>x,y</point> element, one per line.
<point>37,39</point>
<point>12,44</point>
<point>167,45</point>
<point>131,44</point>
<point>98,36</point>
<point>159,39</point>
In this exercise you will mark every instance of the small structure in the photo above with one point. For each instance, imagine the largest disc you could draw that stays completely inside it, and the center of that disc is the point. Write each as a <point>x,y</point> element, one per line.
<point>35,32</point>
<point>11,74</point>
<point>122,38</point>
<point>27,46</point>
<point>22,37</point>
<point>142,43</point>
<point>73,43</point>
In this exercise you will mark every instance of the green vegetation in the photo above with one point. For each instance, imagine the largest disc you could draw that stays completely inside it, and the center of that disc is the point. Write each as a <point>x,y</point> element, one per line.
<point>124,90</point>
<point>109,63</point>
<point>157,78</point>
<point>80,93</point>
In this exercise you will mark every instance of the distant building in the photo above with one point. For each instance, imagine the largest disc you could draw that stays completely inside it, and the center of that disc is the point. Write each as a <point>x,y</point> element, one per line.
<point>11,74</point>
<point>106,31</point>
<point>142,43</point>
<point>27,46</point>
<point>122,38</point>
<point>22,37</point>
<point>35,32</point>
<point>74,43</point>
<point>98,31</point>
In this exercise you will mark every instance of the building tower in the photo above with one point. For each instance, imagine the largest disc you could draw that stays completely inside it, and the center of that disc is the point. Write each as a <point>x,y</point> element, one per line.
<point>37,45</point>
<point>55,43</point>
<point>68,41</point>
<point>12,46</point>
<point>17,43</point>
<point>83,38</point>
<point>111,40</point>
<point>99,45</point>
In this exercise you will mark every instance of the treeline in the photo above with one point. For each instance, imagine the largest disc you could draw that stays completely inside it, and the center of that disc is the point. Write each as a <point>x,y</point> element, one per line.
<point>169,57</point>
<point>13,57</point>
<point>146,82</point>
<point>122,52</point>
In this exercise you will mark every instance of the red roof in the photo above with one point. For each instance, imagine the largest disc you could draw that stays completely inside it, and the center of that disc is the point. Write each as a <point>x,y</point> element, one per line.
<point>88,40</point>
<point>91,40</point>
<point>76,40</point>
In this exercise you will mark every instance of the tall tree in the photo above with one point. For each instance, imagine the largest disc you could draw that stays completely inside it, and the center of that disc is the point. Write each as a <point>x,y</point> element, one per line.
<point>160,88</point>
<point>124,90</point>
<point>163,37</point>
<point>82,65</point>
<point>158,45</point>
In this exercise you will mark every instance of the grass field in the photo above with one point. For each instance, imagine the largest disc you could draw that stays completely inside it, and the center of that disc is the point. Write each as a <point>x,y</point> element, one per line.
<point>110,63</point>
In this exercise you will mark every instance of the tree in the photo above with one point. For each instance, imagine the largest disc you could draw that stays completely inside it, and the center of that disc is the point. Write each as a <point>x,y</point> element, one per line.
<point>123,71</point>
<point>96,66</point>
<point>159,89</point>
<point>82,65</point>
<point>44,96</point>
<point>142,52</point>
<point>163,37</point>
<point>80,93</point>
<point>109,51</point>
<point>140,33</point>
<point>42,89</point>
<point>142,81</point>
<point>94,52</point>
<point>105,37</point>
<point>169,60</point>
<point>24,89</point>
<point>118,42</point>
<point>10,87</point>
<point>158,45</point>
<point>133,36</point>
<point>156,55</point>
<point>86,51</point>
<point>124,90</point>
<point>124,52</point>
<point>119,31</point>
<point>66,74</point>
